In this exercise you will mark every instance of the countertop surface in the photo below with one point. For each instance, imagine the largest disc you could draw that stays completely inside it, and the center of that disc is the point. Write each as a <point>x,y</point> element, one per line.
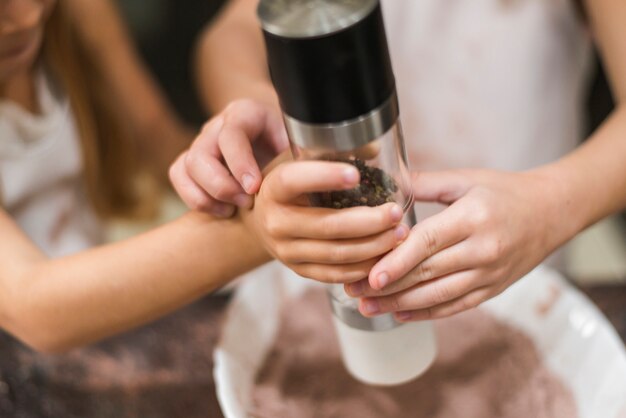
<point>158,371</point>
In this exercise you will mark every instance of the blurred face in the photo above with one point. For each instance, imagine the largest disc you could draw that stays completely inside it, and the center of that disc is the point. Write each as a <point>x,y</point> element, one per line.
<point>21,33</point>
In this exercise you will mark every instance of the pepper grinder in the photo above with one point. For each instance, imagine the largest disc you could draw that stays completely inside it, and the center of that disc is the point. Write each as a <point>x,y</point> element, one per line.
<point>330,65</point>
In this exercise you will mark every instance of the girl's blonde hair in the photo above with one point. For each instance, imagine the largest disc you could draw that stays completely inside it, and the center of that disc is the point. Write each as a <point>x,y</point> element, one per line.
<point>111,163</point>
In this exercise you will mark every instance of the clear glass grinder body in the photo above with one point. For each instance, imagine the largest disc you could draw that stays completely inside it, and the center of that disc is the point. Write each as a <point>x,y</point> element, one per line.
<point>330,66</point>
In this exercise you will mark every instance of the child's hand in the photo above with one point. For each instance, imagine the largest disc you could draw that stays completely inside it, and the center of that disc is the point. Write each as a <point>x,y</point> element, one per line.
<point>328,245</point>
<point>221,169</point>
<point>498,227</point>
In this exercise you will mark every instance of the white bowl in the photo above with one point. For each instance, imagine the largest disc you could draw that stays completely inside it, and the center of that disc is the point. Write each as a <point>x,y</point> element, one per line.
<point>577,342</point>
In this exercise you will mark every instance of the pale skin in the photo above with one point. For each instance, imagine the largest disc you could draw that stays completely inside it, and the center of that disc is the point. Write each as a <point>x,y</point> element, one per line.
<point>56,304</point>
<point>333,246</point>
<point>497,225</point>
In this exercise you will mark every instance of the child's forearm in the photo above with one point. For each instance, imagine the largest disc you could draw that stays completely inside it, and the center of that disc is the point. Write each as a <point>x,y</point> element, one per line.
<point>590,183</point>
<point>57,304</point>
<point>231,61</point>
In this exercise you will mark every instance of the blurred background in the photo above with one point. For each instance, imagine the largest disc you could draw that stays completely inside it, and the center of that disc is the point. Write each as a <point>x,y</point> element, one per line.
<point>165,32</point>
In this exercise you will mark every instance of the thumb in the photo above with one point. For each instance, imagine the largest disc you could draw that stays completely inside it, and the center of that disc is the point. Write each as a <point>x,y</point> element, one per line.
<point>293,179</point>
<point>444,187</point>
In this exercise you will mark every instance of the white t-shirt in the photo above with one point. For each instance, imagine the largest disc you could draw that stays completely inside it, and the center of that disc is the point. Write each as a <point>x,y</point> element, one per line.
<point>41,175</point>
<point>488,83</point>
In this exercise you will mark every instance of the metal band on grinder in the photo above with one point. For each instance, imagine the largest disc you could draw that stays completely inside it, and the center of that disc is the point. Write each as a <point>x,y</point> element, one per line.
<point>352,318</point>
<point>348,135</point>
<point>349,314</point>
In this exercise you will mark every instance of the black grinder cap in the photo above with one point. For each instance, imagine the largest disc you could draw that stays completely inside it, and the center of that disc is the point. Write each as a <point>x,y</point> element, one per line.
<point>328,59</point>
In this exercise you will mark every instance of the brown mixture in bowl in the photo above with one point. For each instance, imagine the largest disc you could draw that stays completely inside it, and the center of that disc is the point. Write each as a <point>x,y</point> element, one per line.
<point>485,368</point>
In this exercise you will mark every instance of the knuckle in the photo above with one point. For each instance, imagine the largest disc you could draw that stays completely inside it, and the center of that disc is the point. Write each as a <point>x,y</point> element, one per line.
<point>193,164</point>
<point>243,106</point>
<point>470,302</point>
<point>479,213</point>
<point>429,313</point>
<point>219,187</point>
<point>329,225</point>
<point>191,159</point>
<point>441,293</point>
<point>430,241</point>
<point>200,202</point>
<point>233,107</point>
<point>272,225</point>
<point>339,254</point>
<point>424,272</point>
<point>493,250</point>
<point>283,253</point>
<point>465,304</point>
<point>505,274</point>
<point>282,176</point>
<point>239,104</point>
<point>391,303</point>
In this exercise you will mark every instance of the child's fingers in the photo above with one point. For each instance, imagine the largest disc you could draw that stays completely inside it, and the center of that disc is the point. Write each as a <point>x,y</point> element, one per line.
<point>246,122</point>
<point>329,224</point>
<point>424,296</point>
<point>458,257</point>
<point>464,303</point>
<point>440,186</point>
<point>209,173</point>
<point>275,133</point>
<point>203,164</point>
<point>193,195</point>
<point>290,180</point>
<point>342,251</point>
<point>425,240</point>
<point>237,151</point>
<point>334,274</point>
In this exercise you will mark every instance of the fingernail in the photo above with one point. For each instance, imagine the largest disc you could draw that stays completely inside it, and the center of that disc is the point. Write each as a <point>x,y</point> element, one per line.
<point>223,211</point>
<point>356,289</point>
<point>350,176</point>
<point>403,316</point>
<point>370,307</point>
<point>396,213</point>
<point>382,279</point>
<point>243,200</point>
<point>248,182</point>
<point>402,232</point>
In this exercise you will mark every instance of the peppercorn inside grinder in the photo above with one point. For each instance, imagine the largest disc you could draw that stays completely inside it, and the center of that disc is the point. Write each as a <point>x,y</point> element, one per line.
<point>330,65</point>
